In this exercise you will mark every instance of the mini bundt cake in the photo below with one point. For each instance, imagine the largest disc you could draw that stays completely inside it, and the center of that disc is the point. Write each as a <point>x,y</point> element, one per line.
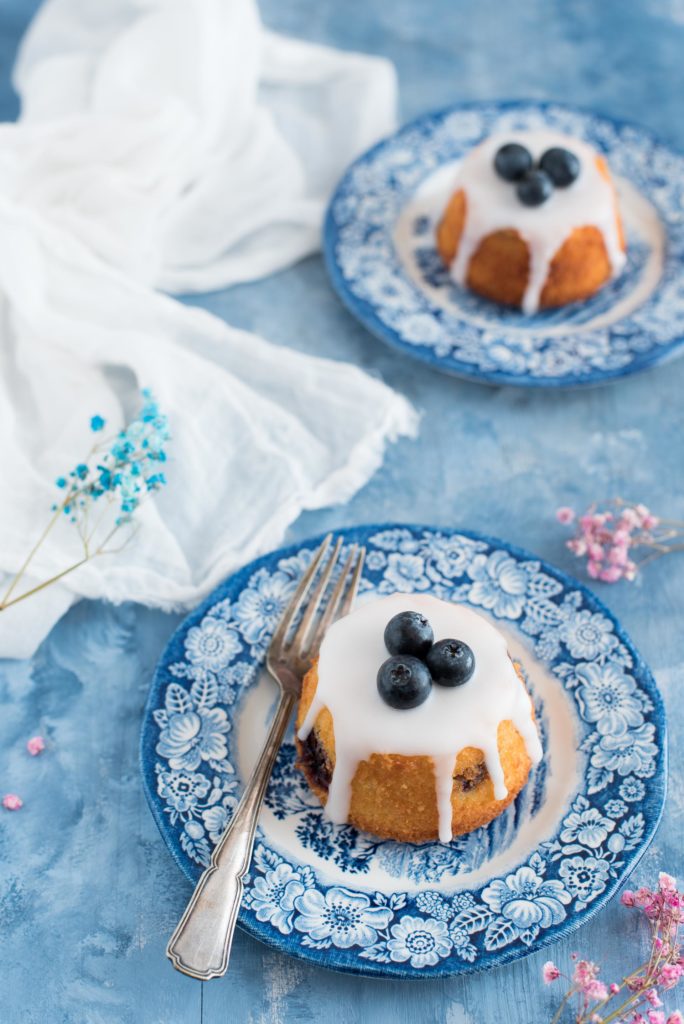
<point>414,723</point>
<point>533,221</point>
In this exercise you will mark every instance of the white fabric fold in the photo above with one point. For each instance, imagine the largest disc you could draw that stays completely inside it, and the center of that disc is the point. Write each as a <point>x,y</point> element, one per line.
<point>172,144</point>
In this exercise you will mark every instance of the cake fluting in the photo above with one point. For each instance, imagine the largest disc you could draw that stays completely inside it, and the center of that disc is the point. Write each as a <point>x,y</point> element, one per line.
<point>414,772</point>
<point>533,232</point>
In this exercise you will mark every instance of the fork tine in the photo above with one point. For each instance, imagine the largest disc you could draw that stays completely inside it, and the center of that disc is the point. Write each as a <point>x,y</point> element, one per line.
<point>298,642</point>
<point>354,585</point>
<point>299,595</point>
<point>331,611</point>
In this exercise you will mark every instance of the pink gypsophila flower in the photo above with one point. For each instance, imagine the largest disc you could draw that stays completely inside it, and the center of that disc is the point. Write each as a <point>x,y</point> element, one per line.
<point>666,883</point>
<point>627,898</point>
<point>669,976</point>
<point>12,802</point>
<point>594,569</point>
<point>621,537</point>
<point>618,555</point>
<point>550,972</point>
<point>655,1017</point>
<point>611,574</point>
<point>613,988</point>
<point>596,990</point>
<point>565,515</point>
<point>643,897</point>
<point>675,1018</point>
<point>652,997</point>
<point>35,745</point>
<point>585,971</point>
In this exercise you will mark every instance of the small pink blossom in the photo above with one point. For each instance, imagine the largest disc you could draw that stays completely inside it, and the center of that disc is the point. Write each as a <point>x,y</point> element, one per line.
<point>596,990</point>
<point>621,537</point>
<point>675,1018</point>
<point>627,898</point>
<point>652,997</point>
<point>12,802</point>
<point>643,897</point>
<point>669,975</point>
<point>611,574</point>
<point>35,745</point>
<point>596,1018</point>
<point>613,988</point>
<point>666,883</point>
<point>630,517</point>
<point>578,546</point>
<point>618,556</point>
<point>565,515</point>
<point>655,1017</point>
<point>550,972</point>
<point>594,569</point>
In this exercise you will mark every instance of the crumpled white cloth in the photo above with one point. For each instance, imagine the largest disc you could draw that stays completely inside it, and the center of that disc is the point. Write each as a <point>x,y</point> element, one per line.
<point>177,145</point>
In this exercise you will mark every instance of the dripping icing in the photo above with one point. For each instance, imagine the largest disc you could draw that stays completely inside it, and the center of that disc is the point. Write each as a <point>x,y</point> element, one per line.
<point>492,205</point>
<point>451,719</point>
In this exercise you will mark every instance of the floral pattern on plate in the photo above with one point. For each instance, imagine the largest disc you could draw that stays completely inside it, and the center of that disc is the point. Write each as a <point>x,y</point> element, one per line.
<point>348,900</point>
<point>381,256</point>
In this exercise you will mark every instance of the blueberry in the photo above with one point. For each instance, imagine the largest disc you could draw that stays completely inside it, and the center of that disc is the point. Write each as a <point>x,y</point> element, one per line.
<point>409,633</point>
<point>404,682</point>
<point>451,662</point>
<point>561,165</point>
<point>535,188</point>
<point>512,161</point>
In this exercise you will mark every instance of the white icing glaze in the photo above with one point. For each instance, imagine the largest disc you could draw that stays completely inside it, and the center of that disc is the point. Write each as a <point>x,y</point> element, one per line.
<point>492,205</point>
<point>451,719</point>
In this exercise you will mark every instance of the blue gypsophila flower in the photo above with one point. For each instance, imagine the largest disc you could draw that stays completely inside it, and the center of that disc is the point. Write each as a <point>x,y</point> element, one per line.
<point>126,469</point>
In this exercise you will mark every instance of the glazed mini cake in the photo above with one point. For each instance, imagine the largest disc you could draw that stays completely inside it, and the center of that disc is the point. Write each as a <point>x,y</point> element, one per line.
<point>533,221</point>
<point>414,723</point>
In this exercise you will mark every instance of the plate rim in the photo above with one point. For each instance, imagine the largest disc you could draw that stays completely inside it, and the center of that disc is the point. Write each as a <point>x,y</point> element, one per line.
<point>364,312</point>
<point>450,966</point>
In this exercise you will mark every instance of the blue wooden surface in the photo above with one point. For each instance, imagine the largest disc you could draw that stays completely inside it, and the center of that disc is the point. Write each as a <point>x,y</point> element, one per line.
<point>88,892</point>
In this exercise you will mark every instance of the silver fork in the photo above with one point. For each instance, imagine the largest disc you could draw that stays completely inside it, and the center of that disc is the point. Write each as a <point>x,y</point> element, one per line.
<point>200,945</point>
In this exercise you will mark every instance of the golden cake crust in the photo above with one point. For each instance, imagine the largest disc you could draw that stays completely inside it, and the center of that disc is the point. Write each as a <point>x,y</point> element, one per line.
<point>499,267</point>
<point>393,796</point>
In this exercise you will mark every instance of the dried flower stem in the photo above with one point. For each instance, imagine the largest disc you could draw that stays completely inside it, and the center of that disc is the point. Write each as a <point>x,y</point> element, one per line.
<point>127,472</point>
<point>664,909</point>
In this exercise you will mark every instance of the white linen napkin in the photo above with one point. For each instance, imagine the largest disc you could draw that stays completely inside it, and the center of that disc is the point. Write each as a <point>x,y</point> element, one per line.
<point>172,144</point>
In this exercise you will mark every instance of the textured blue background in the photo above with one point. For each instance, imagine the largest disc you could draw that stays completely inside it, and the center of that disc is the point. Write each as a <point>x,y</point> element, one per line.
<point>88,892</point>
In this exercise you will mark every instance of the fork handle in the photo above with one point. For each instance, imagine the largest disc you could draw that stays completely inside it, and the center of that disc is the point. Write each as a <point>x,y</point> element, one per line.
<point>200,945</point>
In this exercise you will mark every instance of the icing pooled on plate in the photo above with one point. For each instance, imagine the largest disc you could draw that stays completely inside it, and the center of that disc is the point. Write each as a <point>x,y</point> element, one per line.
<point>493,204</point>
<point>449,720</point>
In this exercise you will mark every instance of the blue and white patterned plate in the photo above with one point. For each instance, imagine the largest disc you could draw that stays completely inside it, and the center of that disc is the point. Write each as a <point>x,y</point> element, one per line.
<point>349,901</point>
<point>380,252</point>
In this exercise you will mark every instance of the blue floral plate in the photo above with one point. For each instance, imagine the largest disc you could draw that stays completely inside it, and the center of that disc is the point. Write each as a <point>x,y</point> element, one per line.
<point>346,900</point>
<point>380,252</point>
